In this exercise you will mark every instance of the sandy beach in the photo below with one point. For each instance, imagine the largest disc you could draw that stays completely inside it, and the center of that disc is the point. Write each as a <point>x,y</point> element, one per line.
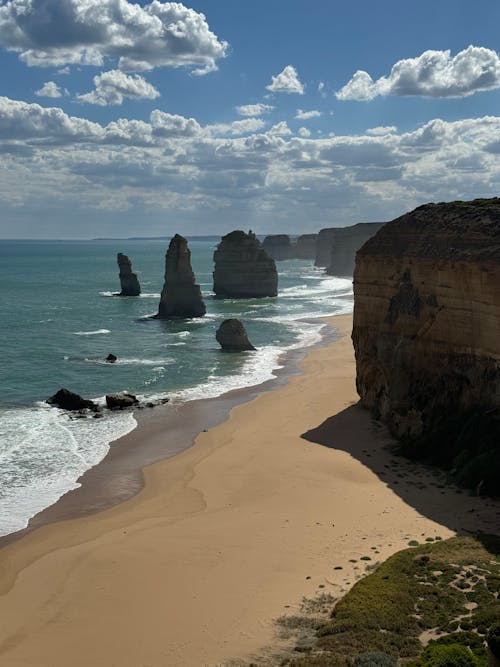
<point>227,535</point>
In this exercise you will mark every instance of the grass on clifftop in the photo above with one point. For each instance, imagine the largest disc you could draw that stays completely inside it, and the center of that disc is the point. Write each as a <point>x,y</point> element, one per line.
<point>448,592</point>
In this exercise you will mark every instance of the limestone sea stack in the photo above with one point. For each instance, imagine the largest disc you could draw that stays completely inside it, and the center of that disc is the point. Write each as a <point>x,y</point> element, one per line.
<point>277,246</point>
<point>305,247</point>
<point>232,336</point>
<point>180,296</point>
<point>243,269</point>
<point>426,329</point>
<point>128,280</point>
<point>344,244</point>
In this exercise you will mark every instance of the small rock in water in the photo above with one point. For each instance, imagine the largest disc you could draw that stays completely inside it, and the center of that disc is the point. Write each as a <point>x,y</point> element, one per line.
<point>68,400</point>
<point>111,358</point>
<point>121,400</point>
<point>232,336</point>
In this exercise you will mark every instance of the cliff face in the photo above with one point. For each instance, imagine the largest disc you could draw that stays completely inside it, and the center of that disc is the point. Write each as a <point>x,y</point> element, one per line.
<point>344,243</point>
<point>180,296</point>
<point>426,327</point>
<point>305,247</point>
<point>277,246</point>
<point>243,269</point>
<point>128,280</point>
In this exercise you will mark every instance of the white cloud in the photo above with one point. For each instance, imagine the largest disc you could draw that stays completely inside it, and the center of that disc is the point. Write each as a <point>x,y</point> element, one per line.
<point>432,74</point>
<point>51,89</point>
<point>304,132</point>
<point>114,86</point>
<point>287,81</point>
<point>63,70</point>
<point>88,32</point>
<point>281,129</point>
<point>253,109</point>
<point>171,125</point>
<point>381,130</point>
<point>237,127</point>
<point>306,115</point>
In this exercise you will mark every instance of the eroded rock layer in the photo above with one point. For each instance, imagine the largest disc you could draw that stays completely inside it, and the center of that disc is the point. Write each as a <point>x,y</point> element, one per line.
<point>128,280</point>
<point>180,296</point>
<point>243,269</point>
<point>426,329</point>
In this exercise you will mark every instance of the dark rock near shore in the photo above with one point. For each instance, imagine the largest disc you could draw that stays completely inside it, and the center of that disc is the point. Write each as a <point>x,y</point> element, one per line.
<point>232,336</point>
<point>111,358</point>
<point>121,400</point>
<point>243,269</point>
<point>128,280</point>
<point>68,400</point>
<point>180,296</point>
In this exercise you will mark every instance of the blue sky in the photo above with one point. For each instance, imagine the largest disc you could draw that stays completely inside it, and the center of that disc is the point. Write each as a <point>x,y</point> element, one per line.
<point>123,119</point>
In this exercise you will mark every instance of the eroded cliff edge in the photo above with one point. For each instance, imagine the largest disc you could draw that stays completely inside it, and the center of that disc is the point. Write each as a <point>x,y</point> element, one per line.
<point>426,328</point>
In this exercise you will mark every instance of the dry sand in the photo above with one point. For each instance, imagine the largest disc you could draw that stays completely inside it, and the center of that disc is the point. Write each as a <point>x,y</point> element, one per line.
<point>227,535</point>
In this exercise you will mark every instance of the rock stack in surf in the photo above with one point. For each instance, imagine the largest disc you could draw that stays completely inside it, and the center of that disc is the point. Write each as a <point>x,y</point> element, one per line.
<point>180,296</point>
<point>128,280</point>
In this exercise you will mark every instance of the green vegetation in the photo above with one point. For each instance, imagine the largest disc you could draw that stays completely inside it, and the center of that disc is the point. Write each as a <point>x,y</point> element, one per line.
<point>465,443</point>
<point>448,589</point>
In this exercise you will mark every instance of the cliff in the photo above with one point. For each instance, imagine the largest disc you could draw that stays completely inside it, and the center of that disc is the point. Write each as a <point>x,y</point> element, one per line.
<point>277,246</point>
<point>426,328</point>
<point>305,246</point>
<point>344,243</point>
<point>243,269</point>
<point>128,280</point>
<point>180,296</point>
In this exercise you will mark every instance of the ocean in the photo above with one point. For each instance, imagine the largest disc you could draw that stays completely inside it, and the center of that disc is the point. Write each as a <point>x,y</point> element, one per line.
<point>60,319</point>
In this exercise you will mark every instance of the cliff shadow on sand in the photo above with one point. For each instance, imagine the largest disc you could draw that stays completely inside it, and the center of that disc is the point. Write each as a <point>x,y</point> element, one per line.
<point>423,487</point>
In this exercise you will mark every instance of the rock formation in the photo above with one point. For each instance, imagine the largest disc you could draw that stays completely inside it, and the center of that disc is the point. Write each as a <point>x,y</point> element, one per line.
<point>128,280</point>
<point>305,246</point>
<point>243,269</point>
<point>111,358</point>
<point>232,336</point>
<point>277,246</point>
<point>120,400</point>
<point>180,296</point>
<point>324,245</point>
<point>344,245</point>
<point>426,328</point>
<point>68,400</point>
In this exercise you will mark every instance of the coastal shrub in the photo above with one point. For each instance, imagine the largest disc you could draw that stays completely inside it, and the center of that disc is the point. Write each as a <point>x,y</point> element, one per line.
<point>454,655</point>
<point>493,639</point>
<point>374,659</point>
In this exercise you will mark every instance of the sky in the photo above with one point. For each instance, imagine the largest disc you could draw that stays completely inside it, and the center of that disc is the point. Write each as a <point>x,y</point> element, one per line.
<point>122,119</point>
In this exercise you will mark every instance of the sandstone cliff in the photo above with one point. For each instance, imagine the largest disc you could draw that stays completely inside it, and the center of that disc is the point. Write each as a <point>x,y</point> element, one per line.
<point>180,296</point>
<point>128,280</point>
<point>426,329</point>
<point>344,243</point>
<point>305,246</point>
<point>277,246</point>
<point>243,269</point>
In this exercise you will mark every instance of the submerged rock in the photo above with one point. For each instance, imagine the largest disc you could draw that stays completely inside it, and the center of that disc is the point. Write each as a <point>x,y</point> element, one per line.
<point>120,400</point>
<point>111,358</point>
<point>232,336</point>
<point>180,296</point>
<point>68,400</point>
<point>243,269</point>
<point>128,280</point>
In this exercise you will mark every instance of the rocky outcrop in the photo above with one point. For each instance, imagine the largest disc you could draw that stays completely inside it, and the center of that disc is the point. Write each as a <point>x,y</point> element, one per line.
<point>111,358</point>
<point>128,280</point>
<point>426,327</point>
<point>277,246</point>
<point>232,336</point>
<point>121,400</point>
<point>243,269</point>
<point>344,244</point>
<point>68,400</point>
<point>324,246</point>
<point>180,296</point>
<point>305,246</point>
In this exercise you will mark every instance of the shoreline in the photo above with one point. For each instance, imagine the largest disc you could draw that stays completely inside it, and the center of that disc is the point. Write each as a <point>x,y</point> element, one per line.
<point>285,499</point>
<point>119,475</point>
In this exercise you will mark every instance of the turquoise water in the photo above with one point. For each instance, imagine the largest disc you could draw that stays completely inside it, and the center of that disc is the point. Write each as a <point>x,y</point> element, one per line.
<point>60,320</point>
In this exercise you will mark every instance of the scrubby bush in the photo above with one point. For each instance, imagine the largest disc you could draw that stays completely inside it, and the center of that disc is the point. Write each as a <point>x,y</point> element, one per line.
<point>453,655</point>
<point>374,659</point>
<point>493,639</point>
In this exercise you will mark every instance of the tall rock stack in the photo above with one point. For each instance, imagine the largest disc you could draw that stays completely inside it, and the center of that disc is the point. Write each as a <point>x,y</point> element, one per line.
<point>277,246</point>
<point>305,246</point>
<point>426,328</point>
<point>128,280</point>
<point>345,243</point>
<point>243,269</point>
<point>180,296</point>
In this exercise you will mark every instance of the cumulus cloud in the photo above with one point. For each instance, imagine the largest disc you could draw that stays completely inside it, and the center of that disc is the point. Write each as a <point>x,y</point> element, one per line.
<point>432,74</point>
<point>51,89</point>
<point>172,125</point>
<point>381,130</point>
<point>287,81</point>
<point>304,132</point>
<point>237,127</point>
<point>281,129</point>
<point>253,109</point>
<point>88,32</point>
<point>114,86</point>
<point>306,115</point>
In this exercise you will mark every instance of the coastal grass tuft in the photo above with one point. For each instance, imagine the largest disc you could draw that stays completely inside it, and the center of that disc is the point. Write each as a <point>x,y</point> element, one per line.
<point>418,590</point>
